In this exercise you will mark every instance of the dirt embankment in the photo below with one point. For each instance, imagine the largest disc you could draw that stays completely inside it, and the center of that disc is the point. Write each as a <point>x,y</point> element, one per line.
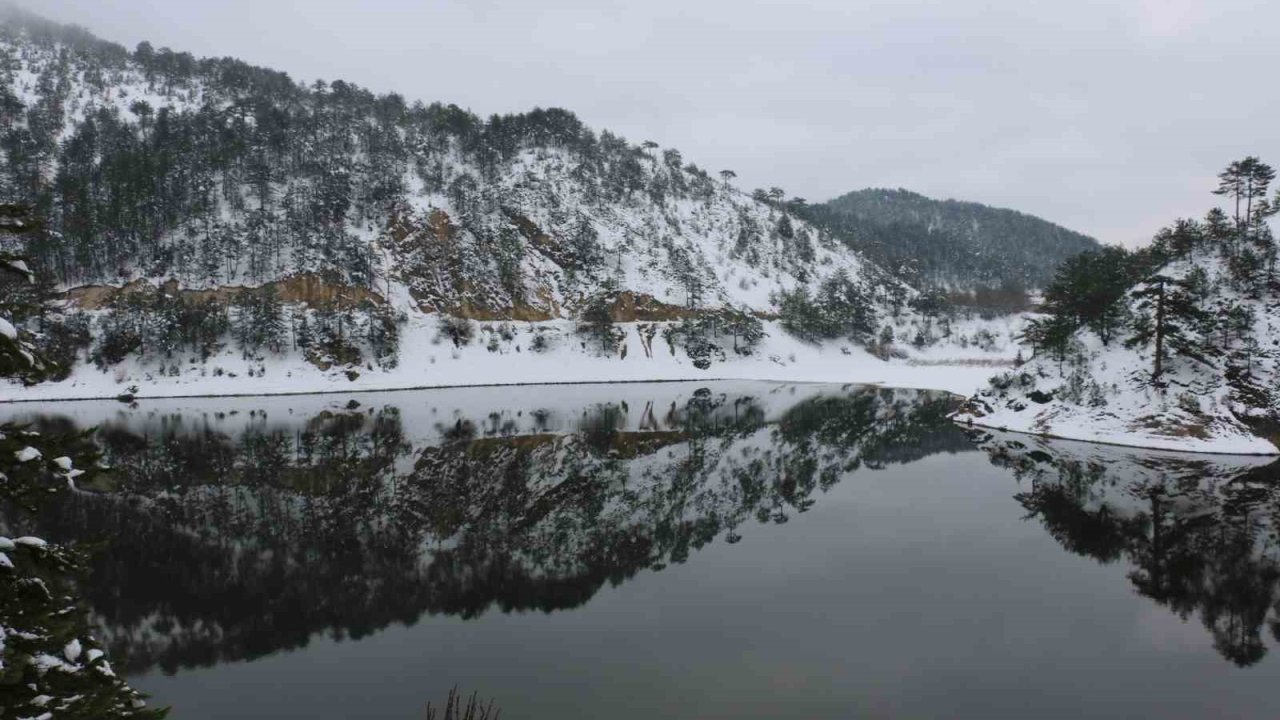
<point>306,288</point>
<point>631,306</point>
<point>626,306</point>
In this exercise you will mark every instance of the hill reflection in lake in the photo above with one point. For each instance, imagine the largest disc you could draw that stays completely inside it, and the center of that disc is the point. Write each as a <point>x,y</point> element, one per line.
<point>728,549</point>
<point>233,533</point>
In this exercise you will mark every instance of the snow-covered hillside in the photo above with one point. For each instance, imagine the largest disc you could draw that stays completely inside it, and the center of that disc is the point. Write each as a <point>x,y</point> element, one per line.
<point>517,216</point>
<point>219,228</point>
<point>1214,391</point>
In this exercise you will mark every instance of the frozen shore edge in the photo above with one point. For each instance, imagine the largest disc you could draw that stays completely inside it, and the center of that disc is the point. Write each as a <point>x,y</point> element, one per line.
<point>1115,442</point>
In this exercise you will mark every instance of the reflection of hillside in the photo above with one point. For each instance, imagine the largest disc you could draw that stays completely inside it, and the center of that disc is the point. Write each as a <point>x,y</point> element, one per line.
<point>1198,531</point>
<point>219,547</point>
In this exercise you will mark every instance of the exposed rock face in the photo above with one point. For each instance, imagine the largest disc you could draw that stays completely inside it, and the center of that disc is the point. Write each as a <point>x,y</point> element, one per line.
<point>306,288</point>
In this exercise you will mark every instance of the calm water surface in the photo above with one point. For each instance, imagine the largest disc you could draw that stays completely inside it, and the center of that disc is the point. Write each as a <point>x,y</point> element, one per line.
<point>718,550</point>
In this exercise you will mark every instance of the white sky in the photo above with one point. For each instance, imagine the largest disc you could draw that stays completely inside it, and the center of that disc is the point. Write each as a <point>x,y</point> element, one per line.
<point>1110,118</point>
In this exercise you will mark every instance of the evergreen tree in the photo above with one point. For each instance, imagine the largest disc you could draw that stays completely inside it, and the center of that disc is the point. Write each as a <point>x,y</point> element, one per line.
<point>259,320</point>
<point>1052,334</point>
<point>1246,181</point>
<point>846,308</point>
<point>1087,289</point>
<point>303,335</point>
<point>595,323</point>
<point>19,357</point>
<point>1218,230</point>
<point>745,328</point>
<point>382,328</point>
<point>840,308</point>
<point>1169,321</point>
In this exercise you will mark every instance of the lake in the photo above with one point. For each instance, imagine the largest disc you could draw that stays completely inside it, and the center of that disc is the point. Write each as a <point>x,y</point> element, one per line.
<point>676,550</point>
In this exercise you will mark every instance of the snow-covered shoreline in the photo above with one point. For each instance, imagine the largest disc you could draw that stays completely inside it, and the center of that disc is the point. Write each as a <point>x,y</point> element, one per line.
<point>1210,396</point>
<point>427,361</point>
<point>1245,447</point>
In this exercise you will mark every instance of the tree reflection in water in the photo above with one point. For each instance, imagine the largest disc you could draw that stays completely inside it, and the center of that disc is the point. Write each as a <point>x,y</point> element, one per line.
<point>230,537</point>
<point>220,545</point>
<point>1198,531</point>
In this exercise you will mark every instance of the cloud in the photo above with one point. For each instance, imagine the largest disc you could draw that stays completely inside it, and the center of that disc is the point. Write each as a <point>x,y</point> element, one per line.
<point>1170,19</point>
<point>1103,117</point>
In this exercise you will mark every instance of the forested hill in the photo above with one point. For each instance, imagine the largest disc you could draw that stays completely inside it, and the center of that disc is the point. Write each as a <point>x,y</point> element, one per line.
<point>950,244</point>
<point>155,165</point>
<point>1174,346</point>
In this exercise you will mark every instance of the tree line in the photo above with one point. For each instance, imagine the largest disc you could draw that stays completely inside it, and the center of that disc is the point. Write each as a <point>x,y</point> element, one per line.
<point>1115,293</point>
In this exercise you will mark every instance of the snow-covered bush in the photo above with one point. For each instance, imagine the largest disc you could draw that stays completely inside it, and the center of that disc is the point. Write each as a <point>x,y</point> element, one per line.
<point>458,330</point>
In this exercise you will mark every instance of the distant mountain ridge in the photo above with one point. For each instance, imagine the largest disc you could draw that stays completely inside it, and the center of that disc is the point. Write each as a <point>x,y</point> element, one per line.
<point>950,244</point>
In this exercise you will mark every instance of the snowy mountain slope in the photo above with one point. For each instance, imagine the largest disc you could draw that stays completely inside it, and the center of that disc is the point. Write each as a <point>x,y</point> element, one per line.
<point>218,228</point>
<point>243,177</point>
<point>1216,394</point>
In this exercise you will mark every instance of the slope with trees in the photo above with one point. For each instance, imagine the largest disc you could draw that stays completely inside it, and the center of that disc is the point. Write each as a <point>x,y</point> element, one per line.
<point>155,165</point>
<point>196,207</point>
<point>984,255</point>
<point>50,663</point>
<point>1174,346</point>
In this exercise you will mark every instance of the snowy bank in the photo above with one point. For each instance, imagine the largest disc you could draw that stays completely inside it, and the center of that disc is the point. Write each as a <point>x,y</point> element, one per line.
<point>1216,395</point>
<point>428,359</point>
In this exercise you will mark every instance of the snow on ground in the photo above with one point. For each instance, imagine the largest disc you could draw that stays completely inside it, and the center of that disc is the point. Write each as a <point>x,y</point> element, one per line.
<point>429,360</point>
<point>1131,422</point>
<point>1104,394</point>
<point>1120,465</point>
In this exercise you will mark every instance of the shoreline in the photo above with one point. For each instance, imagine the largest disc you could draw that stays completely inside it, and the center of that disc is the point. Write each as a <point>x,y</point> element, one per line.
<point>428,362</point>
<point>1049,436</point>
<point>549,383</point>
<point>640,381</point>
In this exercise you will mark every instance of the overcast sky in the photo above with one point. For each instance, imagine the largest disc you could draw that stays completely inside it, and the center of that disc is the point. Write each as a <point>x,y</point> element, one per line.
<point>1110,118</point>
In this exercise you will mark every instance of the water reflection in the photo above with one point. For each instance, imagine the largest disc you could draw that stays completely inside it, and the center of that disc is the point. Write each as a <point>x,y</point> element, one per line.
<point>232,533</point>
<point>1198,531</point>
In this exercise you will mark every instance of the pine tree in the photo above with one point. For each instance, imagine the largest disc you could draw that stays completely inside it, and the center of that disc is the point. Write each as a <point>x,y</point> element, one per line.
<point>745,328</point>
<point>19,357</point>
<point>303,335</point>
<point>1245,181</point>
<point>1218,230</point>
<point>259,320</point>
<point>1170,321</point>
<point>270,318</point>
<point>1052,334</point>
<point>1087,289</point>
<point>596,323</point>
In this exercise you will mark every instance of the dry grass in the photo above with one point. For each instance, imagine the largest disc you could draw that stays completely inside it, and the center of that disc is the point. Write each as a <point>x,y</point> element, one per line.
<point>454,708</point>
